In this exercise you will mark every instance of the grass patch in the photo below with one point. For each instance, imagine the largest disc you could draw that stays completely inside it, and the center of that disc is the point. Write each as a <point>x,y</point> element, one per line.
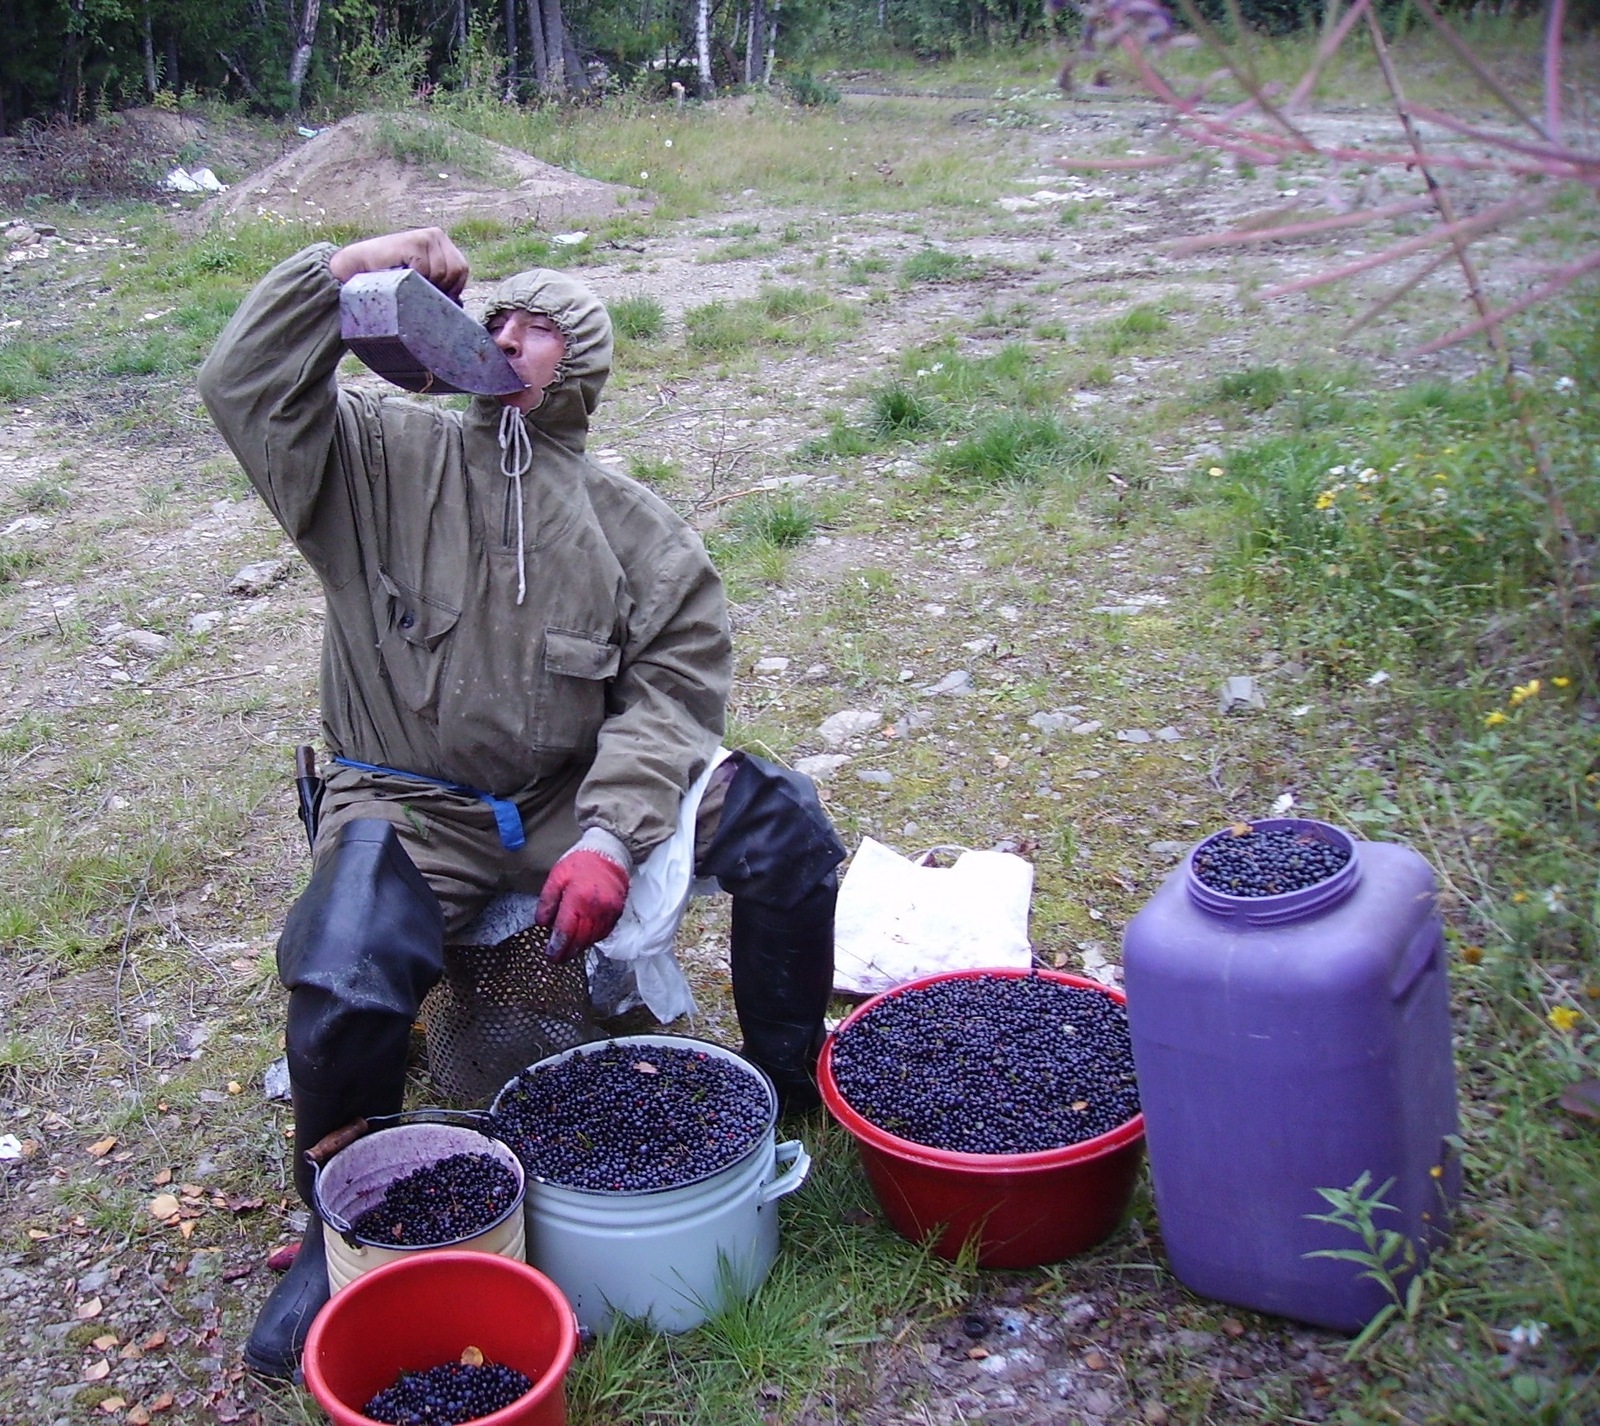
<point>937,265</point>
<point>780,316</point>
<point>639,318</point>
<point>1016,448</point>
<point>28,367</point>
<point>424,141</point>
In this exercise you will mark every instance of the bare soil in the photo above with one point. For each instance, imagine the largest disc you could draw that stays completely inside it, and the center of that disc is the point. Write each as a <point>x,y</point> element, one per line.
<point>100,1302</point>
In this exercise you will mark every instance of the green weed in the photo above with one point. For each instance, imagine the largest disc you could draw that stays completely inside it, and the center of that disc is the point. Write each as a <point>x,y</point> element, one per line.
<point>638,318</point>
<point>937,265</point>
<point>1021,449</point>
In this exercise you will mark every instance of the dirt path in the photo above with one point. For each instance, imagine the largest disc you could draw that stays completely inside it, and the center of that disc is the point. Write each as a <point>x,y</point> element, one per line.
<point>151,692</point>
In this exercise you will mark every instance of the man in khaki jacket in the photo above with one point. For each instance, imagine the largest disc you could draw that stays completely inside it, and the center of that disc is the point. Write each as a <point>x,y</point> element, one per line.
<point>525,665</point>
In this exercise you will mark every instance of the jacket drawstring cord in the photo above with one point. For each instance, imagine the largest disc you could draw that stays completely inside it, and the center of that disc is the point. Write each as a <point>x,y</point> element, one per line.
<point>516,456</point>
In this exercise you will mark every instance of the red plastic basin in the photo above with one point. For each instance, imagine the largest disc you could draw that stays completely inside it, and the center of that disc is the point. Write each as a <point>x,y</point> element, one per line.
<point>419,1312</point>
<point>1020,1210</point>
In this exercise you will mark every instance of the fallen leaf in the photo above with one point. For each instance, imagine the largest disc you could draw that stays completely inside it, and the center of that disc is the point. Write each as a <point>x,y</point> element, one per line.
<point>1233,1326</point>
<point>97,1371</point>
<point>472,1356</point>
<point>1094,1361</point>
<point>39,1235</point>
<point>237,1271</point>
<point>234,1087</point>
<point>193,1190</point>
<point>977,1354</point>
<point>122,1156</point>
<point>105,1343</point>
<point>154,1342</point>
<point>86,1310</point>
<point>112,1404</point>
<point>164,1206</point>
<point>282,1258</point>
<point>236,1204</point>
<point>186,1228</point>
<point>101,1147</point>
<point>131,1353</point>
<point>138,1416</point>
<point>162,1179</point>
<point>645,1067</point>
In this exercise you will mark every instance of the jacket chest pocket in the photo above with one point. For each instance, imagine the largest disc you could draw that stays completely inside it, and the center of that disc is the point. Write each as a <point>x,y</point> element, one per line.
<point>574,673</point>
<point>413,641</point>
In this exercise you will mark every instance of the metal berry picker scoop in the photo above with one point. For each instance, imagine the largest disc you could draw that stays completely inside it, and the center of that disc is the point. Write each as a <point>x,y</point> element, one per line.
<point>413,335</point>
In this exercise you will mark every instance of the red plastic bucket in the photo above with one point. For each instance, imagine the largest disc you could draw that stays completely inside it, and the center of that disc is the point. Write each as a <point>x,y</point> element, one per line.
<point>1020,1209</point>
<point>422,1311</point>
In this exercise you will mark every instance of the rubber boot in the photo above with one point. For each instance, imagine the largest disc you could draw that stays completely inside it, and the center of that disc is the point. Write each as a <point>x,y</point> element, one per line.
<point>359,950</point>
<point>782,980</point>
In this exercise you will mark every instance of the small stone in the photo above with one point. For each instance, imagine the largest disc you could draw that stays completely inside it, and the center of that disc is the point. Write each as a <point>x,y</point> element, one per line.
<point>1048,722</point>
<point>838,728</point>
<point>772,665</point>
<point>879,777</point>
<point>1084,729</point>
<point>958,682</point>
<point>1169,734</point>
<point>205,621</point>
<point>144,642</point>
<point>1239,693</point>
<point>821,766</point>
<point>1133,735</point>
<point>259,577</point>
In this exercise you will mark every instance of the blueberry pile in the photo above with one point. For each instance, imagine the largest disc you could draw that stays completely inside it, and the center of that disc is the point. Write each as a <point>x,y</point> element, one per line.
<point>990,1064</point>
<point>1246,861</point>
<point>632,1118</point>
<point>446,1201</point>
<point>447,1395</point>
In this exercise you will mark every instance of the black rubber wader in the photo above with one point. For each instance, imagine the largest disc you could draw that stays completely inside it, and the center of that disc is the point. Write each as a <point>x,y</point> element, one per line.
<point>359,950</point>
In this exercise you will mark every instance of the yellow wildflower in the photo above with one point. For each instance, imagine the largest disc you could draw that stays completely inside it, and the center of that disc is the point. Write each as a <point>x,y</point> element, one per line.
<point>1325,500</point>
<point>1524,691</point>
<point>1215,470</point>
<point>1491,720</point>
<point>1518,897</point>
<point>1437,1171</point>
<point>1564,1018</point>
<point>1561,682</point>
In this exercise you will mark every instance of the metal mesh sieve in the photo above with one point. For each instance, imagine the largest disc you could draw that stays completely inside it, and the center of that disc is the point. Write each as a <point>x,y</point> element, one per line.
<point>500,1008</point>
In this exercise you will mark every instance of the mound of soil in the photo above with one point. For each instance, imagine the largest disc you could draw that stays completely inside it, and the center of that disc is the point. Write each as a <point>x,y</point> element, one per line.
<point>347,174</point>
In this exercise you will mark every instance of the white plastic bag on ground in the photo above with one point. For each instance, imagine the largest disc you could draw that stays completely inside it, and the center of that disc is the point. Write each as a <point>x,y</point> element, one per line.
<point>898,920</point>
<point>635,964</point>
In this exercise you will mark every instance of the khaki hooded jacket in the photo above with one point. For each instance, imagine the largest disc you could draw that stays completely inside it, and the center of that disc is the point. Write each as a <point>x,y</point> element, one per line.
<point>601,696</point>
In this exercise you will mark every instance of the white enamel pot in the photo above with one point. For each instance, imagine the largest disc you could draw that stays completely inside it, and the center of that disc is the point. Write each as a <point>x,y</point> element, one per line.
<point>672,1256</point>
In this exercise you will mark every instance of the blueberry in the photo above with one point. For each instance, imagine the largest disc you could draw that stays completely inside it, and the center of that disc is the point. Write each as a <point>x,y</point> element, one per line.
<point>632,1118</point>
<point>447,1395</point>
<point>990,1064</point>
<point>1271,862</point>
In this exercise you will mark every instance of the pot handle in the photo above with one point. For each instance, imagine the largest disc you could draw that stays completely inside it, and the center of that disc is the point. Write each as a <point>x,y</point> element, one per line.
<point>791,1152</point>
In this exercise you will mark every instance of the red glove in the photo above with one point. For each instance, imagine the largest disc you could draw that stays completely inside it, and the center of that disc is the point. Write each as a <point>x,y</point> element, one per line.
<point>581,902</point>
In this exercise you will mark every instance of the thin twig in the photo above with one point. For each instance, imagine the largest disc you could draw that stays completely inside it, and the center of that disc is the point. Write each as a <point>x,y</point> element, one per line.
<point>1463,52</point>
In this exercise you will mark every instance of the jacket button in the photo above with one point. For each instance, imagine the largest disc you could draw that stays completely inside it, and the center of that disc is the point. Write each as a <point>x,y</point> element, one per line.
<point>407,619</point>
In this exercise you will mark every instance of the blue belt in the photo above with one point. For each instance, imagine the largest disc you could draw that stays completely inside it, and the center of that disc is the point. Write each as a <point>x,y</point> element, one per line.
<point>506,816</point>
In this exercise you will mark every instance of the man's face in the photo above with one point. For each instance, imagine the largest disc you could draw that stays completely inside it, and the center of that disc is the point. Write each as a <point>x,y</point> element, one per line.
<point>534,346</point>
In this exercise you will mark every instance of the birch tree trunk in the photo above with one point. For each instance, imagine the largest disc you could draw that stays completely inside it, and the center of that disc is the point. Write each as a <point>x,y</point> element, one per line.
<point>302,40</point>
<point>702,46</point>
<point>555,45</point>
<point>772,42</point>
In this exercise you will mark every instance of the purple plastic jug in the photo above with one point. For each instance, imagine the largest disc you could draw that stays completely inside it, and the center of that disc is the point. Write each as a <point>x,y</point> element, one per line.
<point>1288,1043</point>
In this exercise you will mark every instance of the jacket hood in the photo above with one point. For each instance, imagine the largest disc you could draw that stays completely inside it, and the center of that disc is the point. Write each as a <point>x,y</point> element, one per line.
<point>572,397</point>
